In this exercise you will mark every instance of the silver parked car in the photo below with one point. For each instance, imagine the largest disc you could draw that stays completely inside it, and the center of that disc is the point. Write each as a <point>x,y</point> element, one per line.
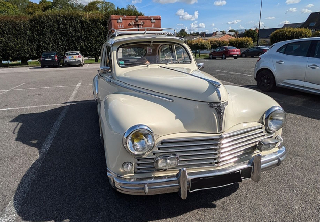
<point>293,64</point>
<point>73,58</point>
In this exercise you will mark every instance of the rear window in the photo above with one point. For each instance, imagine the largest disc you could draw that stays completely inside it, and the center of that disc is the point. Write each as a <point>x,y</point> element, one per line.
<point>231,47</point>
<point>72,53</point>
<point>48,54</point>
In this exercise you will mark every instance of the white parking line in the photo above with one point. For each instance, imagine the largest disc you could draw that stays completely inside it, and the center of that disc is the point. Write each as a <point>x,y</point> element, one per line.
<point>11,89</point>
<point>44,87</point>
<point>10,212</point>
<point>46,105</point>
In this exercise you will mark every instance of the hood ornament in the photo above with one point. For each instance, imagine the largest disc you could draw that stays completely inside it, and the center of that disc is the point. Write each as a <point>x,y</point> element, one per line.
<point>219,108</point>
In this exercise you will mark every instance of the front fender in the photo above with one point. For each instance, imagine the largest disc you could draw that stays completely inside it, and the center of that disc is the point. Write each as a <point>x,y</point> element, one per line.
<point>246,105</point>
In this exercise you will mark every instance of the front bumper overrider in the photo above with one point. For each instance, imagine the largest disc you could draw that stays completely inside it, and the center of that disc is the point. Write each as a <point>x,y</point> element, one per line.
<point>192,181</point>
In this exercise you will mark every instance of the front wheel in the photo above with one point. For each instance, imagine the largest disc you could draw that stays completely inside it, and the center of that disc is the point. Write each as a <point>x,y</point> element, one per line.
<point>243,55</point>
<point>266,81</point>
<point>210,56</point>
<point>223,56</point>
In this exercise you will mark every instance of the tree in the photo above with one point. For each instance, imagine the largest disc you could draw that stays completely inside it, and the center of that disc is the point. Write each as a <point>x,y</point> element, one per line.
<point>21,4</point>
<point>7,8</point>
<point>251,34</point>
<point>45,5</point>
<point>99,6</point>
<point>33,8</point>
<point>182,33</point>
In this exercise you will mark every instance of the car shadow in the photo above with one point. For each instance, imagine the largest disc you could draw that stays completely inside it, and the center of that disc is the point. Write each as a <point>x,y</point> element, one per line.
<point>296,102</point>
<point>69,182</point>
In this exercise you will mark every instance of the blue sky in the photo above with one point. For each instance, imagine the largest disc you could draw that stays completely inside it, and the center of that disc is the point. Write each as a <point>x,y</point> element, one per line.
<point>213,15</point>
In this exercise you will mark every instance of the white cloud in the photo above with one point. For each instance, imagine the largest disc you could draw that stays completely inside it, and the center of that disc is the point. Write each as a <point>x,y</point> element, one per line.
<point>180,24</point>
<point>284,22</point>
<point>291,10</point>
<point>186,16</point>
<point>269,18</point>
<point>234,22</point>
<point>304,10</point>
<point>220,3</point>
<point>174,1</point>
<point>136,1</point>
<point>194,26</point>
<point>241,27</point>
<point>212,24</point>
<point>202,25</point>
<point>310,5</point>
<point>292,2</point>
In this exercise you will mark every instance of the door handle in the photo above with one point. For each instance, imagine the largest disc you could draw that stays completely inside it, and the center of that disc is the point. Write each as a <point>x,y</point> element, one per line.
<point>313,66</point>
<point>280,62</point>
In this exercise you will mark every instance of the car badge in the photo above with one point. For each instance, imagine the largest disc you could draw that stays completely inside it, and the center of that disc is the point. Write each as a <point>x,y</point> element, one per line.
<point>219,108</point>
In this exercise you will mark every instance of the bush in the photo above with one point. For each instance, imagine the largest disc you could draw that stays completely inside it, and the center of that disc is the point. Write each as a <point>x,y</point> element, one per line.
<point>215,43</point>
<point>244,42</point>
<point>199,44</point>
<point>316,34</point>
<point>289,33</point>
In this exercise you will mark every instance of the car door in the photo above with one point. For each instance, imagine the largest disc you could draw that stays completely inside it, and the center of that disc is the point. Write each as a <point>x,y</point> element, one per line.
<point>216,51</point>
<point>250,52</point>
<point>313,67</point>
<point>290,63</point>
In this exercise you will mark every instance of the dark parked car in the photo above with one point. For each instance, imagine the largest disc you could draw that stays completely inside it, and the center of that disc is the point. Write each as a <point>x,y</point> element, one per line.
<point>255,51</point>
<point>224,52</point>
<point>50,59</point>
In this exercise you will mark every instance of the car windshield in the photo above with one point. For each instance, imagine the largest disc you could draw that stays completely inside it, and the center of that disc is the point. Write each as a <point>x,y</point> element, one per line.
<point>134,54</point>
<point>231,47</point>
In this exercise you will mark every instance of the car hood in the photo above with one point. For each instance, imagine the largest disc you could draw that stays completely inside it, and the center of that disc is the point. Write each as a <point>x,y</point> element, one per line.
<point>178,82</point>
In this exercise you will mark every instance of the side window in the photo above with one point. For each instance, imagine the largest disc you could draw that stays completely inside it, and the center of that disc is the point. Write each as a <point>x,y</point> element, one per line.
<point>297,48</point>
<point>317,50</point>
<point>108,57</point>
<point>282,49</point>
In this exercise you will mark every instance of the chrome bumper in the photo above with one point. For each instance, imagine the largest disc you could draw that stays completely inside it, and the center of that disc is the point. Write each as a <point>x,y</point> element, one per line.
<point>182,182</point>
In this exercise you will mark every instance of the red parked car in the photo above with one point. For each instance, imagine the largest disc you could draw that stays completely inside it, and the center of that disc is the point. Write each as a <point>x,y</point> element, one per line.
<point>224,52</point>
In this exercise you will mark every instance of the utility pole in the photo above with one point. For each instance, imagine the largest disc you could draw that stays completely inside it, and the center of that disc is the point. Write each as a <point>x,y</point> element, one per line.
<point>259,24</point>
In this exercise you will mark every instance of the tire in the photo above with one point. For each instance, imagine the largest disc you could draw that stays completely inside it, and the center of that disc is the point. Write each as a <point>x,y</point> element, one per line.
<point>210,56</point>
<point>235,57</point>
<point>42,66</point>
<point>224,56</point>
<point>243,55</point>
<point>266,81</point>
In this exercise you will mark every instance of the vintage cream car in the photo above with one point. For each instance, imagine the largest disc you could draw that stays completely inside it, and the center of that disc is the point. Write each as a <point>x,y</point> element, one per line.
<point>169,127</point>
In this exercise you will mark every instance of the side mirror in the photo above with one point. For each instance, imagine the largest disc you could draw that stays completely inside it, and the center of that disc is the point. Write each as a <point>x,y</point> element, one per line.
<point>200,65</point>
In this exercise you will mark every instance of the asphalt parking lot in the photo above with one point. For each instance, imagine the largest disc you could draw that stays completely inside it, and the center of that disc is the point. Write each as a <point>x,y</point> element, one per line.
<point>52,165</point>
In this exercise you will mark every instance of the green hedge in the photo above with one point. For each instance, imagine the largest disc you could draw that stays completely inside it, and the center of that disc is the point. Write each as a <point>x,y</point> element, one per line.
<point>24,37</point>
<point>289,33</point>
<point>15,38</point>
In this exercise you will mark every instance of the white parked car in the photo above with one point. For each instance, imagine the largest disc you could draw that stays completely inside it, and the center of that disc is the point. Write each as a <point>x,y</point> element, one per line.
<point>292,64</point>
<point>73,58</point>
<point>169,127</point>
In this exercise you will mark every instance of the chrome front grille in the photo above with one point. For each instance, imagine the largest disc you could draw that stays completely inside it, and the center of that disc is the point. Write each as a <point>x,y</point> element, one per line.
<point>205,151</point>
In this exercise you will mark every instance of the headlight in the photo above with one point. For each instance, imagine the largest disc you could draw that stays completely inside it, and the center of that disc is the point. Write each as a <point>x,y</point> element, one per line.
<point>274,119</point>
<point>138,140</point>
